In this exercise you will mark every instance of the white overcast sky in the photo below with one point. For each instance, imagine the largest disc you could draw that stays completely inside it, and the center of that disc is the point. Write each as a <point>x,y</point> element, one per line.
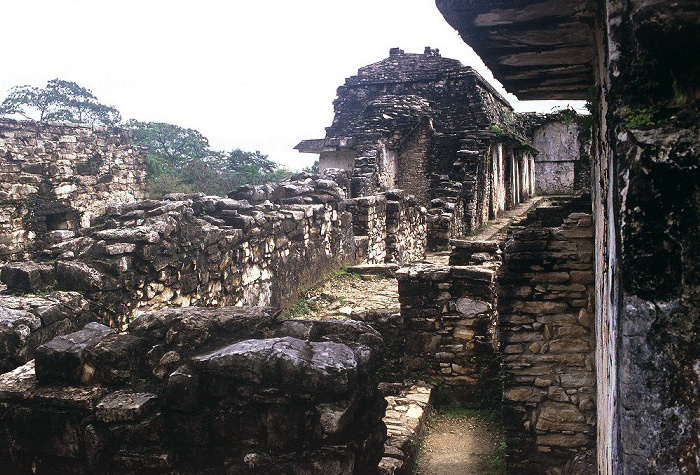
<point>258,75</point>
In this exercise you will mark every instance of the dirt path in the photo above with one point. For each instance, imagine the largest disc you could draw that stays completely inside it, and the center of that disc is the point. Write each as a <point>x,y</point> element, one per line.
<point>463,443</point>
<point>347,295</point>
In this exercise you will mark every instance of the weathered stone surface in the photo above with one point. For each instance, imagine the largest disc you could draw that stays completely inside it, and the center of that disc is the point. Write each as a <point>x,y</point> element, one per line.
<point>29,321</point>
<point>449,321</point>
<point>283,405</point>
<point>550,384</point>
<point>27,276</point>
<point>113,360</point>
<point>56,177</point>
<point>79,276</point>
<point>61,359</point>
<point>406,419</point>
<point>295,364</point>
<point>121,406</point>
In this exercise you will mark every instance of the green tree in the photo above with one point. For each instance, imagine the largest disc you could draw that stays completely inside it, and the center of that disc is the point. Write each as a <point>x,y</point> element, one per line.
<point>254,168</point>
<point>181,159</point>
<point>21,98</point>
<point>170,147</point>
<point>60,100</point>
<point>238,159</point>
<point>315,168</point>
<point>161,185</point>
<point>79,105</point>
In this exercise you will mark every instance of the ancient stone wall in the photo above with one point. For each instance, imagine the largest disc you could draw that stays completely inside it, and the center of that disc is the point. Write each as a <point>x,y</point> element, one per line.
<point>448,314</point>
<point>55,178</point>
<point>406,229</point>
<point>414,165</point>
<point>198,391</point>
<point>647,203</point>
<point>547,340</point>
<point>369,219</point>
<point>204,250</point>
<point>29,321</point>
<point>389,227</point>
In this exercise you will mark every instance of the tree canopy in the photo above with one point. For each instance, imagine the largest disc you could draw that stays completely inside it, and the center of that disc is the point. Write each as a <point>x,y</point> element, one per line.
<point>60,100</point>
<point>179,159</point>
<point>172,145</point>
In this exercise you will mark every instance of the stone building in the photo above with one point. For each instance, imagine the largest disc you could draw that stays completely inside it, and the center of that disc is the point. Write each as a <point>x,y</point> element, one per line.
<point>638,65</point>
<point>436,129</point>
<point>562,140</point>
<point>55,178</point>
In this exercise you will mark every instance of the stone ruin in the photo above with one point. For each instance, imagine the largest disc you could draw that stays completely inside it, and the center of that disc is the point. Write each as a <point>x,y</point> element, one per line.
<point>198,391</point>
<point>55,178</point>
<point>637,65</point>
<point>436,129</point>
<point>579,318</point>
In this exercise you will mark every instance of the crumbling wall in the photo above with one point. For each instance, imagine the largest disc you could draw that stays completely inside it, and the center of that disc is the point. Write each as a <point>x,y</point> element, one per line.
<point>31,320</point>
<point>406,230</point>
<point>547,341</point>
<point>448,313</point>
<point>55,178</point>
<point>198,391</point>
<point>205,250</point>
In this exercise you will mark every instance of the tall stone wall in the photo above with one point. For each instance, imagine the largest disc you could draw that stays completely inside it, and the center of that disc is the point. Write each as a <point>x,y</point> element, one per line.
<point>406,229</point>
<point>547,339</point>
<point>414,166</point>
<point>646,202</point>
<point>198,391</point>
<point>369,225</point>
<point>55,178</point>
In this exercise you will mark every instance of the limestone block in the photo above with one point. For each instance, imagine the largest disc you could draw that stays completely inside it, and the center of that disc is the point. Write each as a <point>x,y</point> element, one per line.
<point>125,405</point>
<point>334,417</point>
<point>27,276</point>
<point>468,307</point>
<point>294,364</point>
<point>61,359</point>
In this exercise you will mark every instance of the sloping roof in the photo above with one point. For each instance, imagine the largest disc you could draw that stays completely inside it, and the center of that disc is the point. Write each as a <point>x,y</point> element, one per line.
<point>538,49</point>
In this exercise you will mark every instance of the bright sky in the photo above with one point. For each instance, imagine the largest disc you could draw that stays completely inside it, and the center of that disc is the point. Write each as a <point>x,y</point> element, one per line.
<point>257,75</point>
